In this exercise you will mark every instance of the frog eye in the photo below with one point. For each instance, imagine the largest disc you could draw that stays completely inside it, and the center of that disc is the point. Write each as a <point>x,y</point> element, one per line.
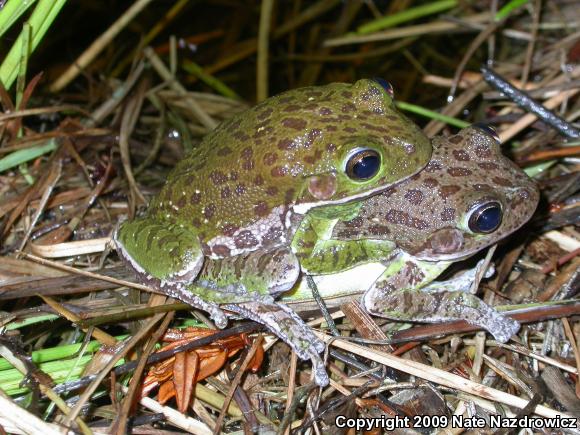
<point>485,218</point>
<point>488,129</point>
<point>363,164</point>
<point>386,86</point>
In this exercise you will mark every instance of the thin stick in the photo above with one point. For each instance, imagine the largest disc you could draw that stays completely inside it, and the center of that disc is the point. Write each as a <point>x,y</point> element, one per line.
<point>166,74</point>
<point>530,118</point>
<point>263,42</point>
<point>526,102</point>
<point>98,45</point>
<point>235,384</point>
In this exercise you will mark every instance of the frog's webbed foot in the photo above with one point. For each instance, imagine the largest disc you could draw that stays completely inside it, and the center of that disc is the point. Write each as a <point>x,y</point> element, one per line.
<point>287,325</point>
<point>391,296</point>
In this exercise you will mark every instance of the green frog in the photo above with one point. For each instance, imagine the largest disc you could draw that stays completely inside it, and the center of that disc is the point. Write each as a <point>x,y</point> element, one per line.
<point>396,243</point>
<point>219,231</point>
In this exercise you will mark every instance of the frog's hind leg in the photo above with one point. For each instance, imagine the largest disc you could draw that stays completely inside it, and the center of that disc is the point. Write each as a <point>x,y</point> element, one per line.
<point>399,294</point>
<point>167,257</point>
<point>165,251</point>
<point>287,325</point>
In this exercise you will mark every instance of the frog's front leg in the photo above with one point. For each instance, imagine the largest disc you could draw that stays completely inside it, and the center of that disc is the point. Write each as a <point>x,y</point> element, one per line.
<point>247,285</point>
<point>402,292</point>
<point>288,326</point>
<point>167,257</point>
<point>320,254</point>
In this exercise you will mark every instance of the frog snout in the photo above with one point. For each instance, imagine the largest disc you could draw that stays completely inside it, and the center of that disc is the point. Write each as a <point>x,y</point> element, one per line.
<point>445,241</point>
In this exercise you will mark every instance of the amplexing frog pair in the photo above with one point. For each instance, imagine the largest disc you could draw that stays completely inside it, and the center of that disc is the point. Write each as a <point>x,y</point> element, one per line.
<point>325,181</point>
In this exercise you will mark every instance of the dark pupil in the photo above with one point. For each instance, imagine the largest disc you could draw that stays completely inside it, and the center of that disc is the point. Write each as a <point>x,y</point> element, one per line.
<point>489,219</point>
<point>366,167</point>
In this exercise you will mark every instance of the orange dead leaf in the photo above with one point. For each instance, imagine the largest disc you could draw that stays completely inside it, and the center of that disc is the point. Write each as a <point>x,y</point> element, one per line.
<point>177,376</point>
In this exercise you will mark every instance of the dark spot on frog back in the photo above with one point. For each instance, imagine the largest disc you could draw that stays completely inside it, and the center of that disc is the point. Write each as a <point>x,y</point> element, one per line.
<point>270,158</point>
<point>459,172</point>
<point>245,239</point>
<point>221,250</point>
<point>279,171</point>
<point>218,177</point>
<point>461,155</point>
<point>502,181</point>
<point>448,190</point>
<point>265,114</point>
<point>482,151</point>
<point>289,196</point>
<point>286,144</point>
<point>430,182</point>
<point>226,192</point>
<point>312,136</point>
<point>195,198</point>
<point>455,139</point>
<point>261,209</point>
<point>294,123</point>
<point>488,166</point>
<point>247,153</point>
<point>357,222</point>
<point>240,189</point>
<point>414,196</point>
<point>209,211</point>
<point>433,166</point>
<point>405,219</point>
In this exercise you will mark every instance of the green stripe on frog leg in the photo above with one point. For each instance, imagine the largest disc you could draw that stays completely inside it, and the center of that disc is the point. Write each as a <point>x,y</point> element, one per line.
<point>319,254</point>
<point>290,328</point>
<point>163,250</point>
<point>256,276</point>
<point>331,256</point>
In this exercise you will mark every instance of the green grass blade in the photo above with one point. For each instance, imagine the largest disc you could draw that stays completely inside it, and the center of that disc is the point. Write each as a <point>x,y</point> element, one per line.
<point>208,79</point>
<point>11,12</point>
<point>40,21</point>
<point>508,8</point>
<point>25,155</point>
<point>23,64</point>
<point>431,114</point>
<point>406,15</point>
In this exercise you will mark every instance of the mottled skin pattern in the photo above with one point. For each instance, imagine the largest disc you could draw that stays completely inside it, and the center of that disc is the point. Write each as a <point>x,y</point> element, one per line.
<point>229,210</point>
<point>416,230</point>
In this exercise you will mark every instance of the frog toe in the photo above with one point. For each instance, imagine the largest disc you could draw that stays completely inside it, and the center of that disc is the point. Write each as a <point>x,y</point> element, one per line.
<point>502,327</point>
<point>289,327</point>
<point>319,371</point>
